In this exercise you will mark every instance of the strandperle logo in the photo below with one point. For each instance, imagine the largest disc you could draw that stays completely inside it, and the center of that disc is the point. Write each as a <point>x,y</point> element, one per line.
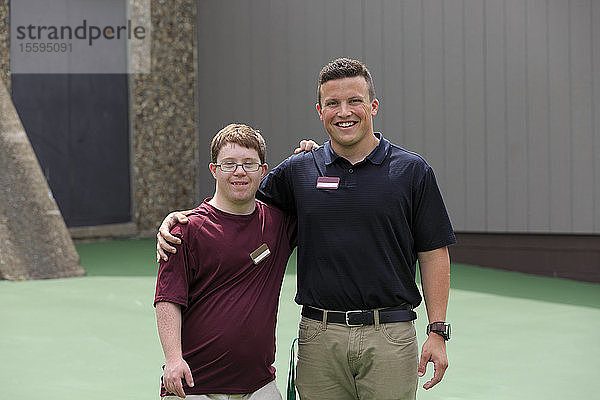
<point>80,36</point>
<point>87,32</point>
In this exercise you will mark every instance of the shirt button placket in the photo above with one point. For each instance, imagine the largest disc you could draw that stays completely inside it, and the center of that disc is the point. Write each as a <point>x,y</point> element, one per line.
<point>351,178</point>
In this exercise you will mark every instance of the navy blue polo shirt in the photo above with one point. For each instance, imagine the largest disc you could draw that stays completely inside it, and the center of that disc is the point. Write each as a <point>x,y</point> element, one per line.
<point>358,244</point>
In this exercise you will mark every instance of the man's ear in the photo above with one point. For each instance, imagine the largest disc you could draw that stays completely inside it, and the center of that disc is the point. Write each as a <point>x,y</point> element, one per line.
<point>264,168</point>
<point>374,107</point>
<point>318,107</point>
<point>213,169</point>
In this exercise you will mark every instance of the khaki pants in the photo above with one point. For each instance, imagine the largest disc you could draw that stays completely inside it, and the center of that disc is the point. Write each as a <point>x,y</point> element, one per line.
<point>337,362</point>
<point>267,392</point>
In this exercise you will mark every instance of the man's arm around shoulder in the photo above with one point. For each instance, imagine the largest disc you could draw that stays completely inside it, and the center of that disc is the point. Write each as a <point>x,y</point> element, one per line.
<point>164,237</point>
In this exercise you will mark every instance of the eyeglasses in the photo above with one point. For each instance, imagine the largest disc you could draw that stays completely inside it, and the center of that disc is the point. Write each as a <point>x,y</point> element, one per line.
<point>231,166</point>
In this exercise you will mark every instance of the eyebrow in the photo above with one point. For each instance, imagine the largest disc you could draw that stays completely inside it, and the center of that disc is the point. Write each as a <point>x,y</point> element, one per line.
<point>357,96</point>
<point>231,159</point>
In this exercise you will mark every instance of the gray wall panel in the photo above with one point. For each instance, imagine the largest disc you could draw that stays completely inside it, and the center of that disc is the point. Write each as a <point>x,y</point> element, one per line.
<point>595,16</point>
<point>297,113</point>
<point>393,70</point>
<point>581,120</point>
<point>537,95</point>
<point>433,65</point>
<point>560,139</point>
<point>354,34</point>
<point>373,52</point>
<point>241,26</point>
<point>261,80</point>
<point>495,116</point>
<point>335,30</point>
<point>516,117</point>
<point>454,184</point>
<point>208,62</point>
<point>412,76</point>
<point>278,57</point>
<point>500,96</point>
<point>474,153</point>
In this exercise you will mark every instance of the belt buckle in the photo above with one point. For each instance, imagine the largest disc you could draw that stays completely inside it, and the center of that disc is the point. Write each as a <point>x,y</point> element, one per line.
<point>347,313</point>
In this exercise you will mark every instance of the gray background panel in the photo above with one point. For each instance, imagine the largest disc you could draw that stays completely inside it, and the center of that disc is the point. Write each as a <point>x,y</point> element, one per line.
<point>581,116</point>
<point>516,116</point>
<point>474,152</point>
<point>501,97</point>
<point>595,15</point>
<point>560,140</point>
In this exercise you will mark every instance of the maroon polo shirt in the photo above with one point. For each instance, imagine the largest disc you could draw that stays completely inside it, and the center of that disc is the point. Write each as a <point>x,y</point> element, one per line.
<point>229,303</point>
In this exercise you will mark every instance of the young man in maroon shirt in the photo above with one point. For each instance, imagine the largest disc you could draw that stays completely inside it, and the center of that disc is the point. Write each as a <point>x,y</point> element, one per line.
<point>216,298</point>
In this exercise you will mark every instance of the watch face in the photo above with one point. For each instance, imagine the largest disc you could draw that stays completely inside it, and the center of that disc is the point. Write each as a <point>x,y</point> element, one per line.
<point>441,328</point>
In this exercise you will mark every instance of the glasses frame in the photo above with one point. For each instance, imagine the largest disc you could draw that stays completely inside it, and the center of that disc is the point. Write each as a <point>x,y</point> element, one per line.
<point>243,165</point>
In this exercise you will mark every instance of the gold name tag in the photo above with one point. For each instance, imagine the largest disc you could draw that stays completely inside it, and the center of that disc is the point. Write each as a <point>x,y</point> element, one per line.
<point>260,254</point>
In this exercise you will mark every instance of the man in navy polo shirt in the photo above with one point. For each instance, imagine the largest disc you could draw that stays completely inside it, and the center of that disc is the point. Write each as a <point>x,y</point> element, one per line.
<point>367,211</point>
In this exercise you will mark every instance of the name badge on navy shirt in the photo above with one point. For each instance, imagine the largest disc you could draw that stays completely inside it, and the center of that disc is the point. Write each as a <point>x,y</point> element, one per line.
<point>260,254</point>
<point>328,182</point>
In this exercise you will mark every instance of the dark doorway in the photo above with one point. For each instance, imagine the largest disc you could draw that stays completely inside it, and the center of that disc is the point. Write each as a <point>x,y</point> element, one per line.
<point>78,125</point>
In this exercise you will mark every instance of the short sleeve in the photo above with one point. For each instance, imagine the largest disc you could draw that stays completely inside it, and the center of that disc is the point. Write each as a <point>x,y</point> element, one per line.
<point>432,228</point>
<point>173,275</point>
<point>276,188</point>
<point>292,229</point>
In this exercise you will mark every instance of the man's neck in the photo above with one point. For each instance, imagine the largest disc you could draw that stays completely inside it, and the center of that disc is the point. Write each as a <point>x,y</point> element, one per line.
<point>358,153</point>
<point>245,208</point>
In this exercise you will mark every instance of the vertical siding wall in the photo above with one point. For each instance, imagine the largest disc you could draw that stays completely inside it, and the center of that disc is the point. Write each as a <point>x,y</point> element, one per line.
<point>501,96</point>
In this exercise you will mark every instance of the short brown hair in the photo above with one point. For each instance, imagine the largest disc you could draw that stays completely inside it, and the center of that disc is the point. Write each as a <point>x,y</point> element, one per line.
<point>242,135</point>
<point>345,68</point>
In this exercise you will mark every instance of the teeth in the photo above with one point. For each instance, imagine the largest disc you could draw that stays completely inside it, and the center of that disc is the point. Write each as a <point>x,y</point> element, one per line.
<point>345,124</point>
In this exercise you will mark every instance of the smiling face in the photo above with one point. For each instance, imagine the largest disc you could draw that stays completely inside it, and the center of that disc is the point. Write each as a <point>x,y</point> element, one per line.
<point>235,190</point>
<point>347,114</point>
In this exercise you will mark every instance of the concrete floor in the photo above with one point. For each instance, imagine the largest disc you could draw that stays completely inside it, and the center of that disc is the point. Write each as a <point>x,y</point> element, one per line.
<point>514,336</point>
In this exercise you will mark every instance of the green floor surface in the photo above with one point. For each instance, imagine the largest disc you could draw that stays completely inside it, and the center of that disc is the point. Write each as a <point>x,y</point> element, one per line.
<point>515,336</point>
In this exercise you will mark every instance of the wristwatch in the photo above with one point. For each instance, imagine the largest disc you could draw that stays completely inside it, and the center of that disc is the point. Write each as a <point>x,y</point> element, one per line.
<point>441,328</point>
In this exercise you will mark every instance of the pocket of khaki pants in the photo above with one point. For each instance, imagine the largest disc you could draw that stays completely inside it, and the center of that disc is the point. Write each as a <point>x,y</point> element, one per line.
<point>308,330</point>
<point>399,332</point>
